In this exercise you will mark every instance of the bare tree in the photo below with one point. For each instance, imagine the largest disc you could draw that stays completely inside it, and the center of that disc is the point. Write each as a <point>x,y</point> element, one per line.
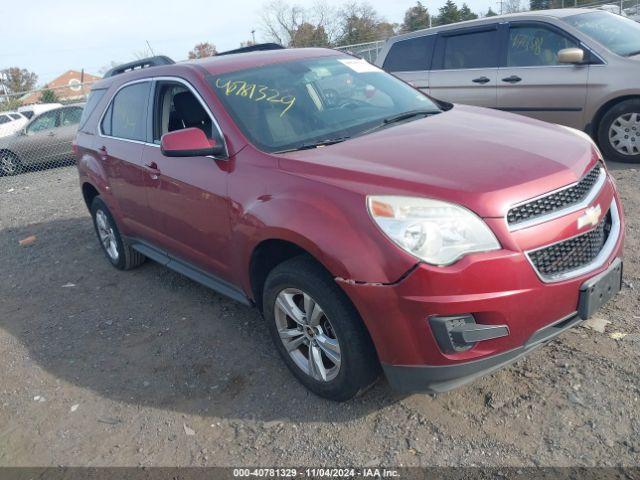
<point>511,6</point>
<point>295,26</point>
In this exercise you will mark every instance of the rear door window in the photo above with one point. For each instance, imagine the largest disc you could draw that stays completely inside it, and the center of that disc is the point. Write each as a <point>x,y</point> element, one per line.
<point>471,50</point>
<point>410,55</point>
<point>531,46</point>
<point>126,117</point>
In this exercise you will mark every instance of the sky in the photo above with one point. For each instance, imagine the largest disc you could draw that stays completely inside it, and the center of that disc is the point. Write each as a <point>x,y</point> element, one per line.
<point>50,37</point>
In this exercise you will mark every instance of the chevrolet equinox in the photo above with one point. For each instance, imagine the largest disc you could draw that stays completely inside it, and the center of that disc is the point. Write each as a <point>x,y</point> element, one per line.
<point>375,229</point>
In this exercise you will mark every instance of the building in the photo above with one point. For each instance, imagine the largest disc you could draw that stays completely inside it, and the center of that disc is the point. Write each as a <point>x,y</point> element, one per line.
<point>71,86</point>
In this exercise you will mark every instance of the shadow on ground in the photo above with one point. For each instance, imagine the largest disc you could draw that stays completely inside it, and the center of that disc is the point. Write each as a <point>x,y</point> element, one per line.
<point>148,336</point>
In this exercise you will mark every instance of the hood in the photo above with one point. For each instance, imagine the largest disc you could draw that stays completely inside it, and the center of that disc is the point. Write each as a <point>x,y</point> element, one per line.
<point>484,159</point>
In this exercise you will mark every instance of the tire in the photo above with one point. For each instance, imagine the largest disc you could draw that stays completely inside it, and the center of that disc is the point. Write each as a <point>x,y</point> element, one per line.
<point>119,253</point>
<point>620,121</point>
<point>9,164</point>
<point>336,323</point>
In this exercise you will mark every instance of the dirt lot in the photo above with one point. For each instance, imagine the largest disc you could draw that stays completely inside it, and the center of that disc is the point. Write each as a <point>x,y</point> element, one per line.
<point>102,367</point>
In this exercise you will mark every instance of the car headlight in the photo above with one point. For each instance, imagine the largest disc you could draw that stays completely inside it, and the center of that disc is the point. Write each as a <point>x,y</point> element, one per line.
<point>436,232</point>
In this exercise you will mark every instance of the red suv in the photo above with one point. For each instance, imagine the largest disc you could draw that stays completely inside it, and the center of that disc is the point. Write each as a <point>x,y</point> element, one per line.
<point>374,227</point>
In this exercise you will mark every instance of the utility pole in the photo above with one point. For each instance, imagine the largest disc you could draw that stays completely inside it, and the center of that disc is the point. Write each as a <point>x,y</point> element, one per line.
<point>253,35</point>
<point>501,3</point>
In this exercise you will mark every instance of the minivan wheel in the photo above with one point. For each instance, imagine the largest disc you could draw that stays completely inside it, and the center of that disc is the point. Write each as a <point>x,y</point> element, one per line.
<point>118,251</point>
<point>317,331</point>
<point>9,164</point>
<point>619,132</point>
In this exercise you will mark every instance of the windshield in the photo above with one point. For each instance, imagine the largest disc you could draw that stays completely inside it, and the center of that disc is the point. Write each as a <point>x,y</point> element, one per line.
<point>619,34</point>
<point>288,105</point>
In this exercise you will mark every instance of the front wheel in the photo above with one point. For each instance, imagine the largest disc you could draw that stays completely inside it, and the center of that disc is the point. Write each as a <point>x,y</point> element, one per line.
<point>619,132</point>
<point>317,331</point>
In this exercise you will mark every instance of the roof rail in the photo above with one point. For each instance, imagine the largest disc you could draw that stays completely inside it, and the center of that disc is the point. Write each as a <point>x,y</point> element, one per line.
<point>138,64</point>
<point>254,48</point>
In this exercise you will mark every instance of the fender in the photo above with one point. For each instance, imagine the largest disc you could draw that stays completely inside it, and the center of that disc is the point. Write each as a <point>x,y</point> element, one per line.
<point>92,172</point>
<point>344,240</point>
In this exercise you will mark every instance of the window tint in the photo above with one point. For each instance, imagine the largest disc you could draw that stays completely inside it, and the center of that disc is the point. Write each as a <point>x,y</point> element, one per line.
<point>28,113</point>
<point>15,116</point>
<point>127,114</point>
<point>471,50</point>
<point>94,98</point>
<point>46,121</point>
<point>4,119</point>
<point>410,55</point>
<point>70,116</point>
<point>535,46</point>
<point>176,107</point>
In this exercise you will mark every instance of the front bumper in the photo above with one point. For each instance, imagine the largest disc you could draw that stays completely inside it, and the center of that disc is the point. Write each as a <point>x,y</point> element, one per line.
<point>438,379</point>
<point>497,288</point>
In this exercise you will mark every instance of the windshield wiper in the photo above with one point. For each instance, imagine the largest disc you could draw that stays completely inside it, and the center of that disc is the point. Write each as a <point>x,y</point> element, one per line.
<point>312,145</point>
<point>399,118</point>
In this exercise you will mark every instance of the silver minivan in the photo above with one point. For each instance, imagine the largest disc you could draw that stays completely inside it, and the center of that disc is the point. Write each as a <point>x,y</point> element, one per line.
<point>575,67</point>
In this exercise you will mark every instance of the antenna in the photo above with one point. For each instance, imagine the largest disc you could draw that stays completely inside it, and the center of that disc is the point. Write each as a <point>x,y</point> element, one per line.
<point>150,49</point>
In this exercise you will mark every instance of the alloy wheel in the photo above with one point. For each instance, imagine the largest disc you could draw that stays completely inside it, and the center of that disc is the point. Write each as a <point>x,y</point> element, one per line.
<point>624,134</point>
<point>107,235</point>
<point>7,165</point>
<point>307,334</point>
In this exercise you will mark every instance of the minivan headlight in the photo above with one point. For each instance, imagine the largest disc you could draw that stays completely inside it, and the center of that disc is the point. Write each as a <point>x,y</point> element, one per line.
<point>436,232</point>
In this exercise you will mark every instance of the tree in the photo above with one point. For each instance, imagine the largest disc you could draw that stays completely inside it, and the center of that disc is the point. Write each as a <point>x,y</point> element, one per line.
<point>448,13</point>
<point>48,96</point>
<point>294,25</point>
<point>17,79</point>
<point>466,13</point>
<point>308,35</point>
<point>415,18</point>
<point>490,13</point>
<point>359,23</point>
<point>539,4</point>
<point>203,50</point>
<point>511,6</point>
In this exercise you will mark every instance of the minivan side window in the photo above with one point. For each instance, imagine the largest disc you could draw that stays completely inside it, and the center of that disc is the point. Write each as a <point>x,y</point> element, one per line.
<point>471,50</point>
<point>531,46</point>
<point>126,117</point>
<point>410,55</point>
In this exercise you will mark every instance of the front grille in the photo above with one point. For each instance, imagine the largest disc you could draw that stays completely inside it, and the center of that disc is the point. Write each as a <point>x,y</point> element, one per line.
<point>572,254</point>
<point>555,201</point>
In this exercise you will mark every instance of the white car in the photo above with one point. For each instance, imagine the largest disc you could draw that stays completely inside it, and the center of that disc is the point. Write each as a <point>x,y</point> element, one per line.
<point>36,109</point>
<point>11,122</point>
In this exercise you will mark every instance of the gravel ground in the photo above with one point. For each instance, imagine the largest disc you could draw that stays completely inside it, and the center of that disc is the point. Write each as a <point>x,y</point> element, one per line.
<point>102,367</point>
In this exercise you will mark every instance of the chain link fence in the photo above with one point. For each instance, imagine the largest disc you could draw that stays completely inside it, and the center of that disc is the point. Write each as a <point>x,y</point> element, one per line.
<point>37,127</point>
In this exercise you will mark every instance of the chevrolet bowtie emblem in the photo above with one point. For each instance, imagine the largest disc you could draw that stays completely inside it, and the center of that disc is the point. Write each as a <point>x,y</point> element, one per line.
<point>591,217</point>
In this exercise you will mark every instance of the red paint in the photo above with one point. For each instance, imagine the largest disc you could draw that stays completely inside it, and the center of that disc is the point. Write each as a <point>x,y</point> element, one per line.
<point>214,213</point>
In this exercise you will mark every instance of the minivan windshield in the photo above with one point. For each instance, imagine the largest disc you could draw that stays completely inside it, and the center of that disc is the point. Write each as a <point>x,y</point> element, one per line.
<point>619,34</point>
<point>314,102</point>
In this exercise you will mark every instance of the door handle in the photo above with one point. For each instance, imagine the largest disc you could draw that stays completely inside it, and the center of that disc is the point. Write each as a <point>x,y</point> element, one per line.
<point>481,80</point>
<point>512,79</point>
<point>154,170</point>
<point>103,152</point>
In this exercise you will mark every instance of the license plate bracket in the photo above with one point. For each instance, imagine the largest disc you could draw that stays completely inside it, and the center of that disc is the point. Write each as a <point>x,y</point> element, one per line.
<point>598,290</point>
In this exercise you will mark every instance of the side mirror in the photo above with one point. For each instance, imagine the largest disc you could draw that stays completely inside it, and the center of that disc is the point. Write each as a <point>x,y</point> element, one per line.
<point>190,142</point>
<point>571,55</point>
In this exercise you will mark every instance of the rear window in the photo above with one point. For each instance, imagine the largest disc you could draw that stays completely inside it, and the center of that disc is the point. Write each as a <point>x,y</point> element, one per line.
<point>92,102</point>
<point>471,50</point>
<point>410,55</point>
<point>127,115</point>
<point>15,116</point>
